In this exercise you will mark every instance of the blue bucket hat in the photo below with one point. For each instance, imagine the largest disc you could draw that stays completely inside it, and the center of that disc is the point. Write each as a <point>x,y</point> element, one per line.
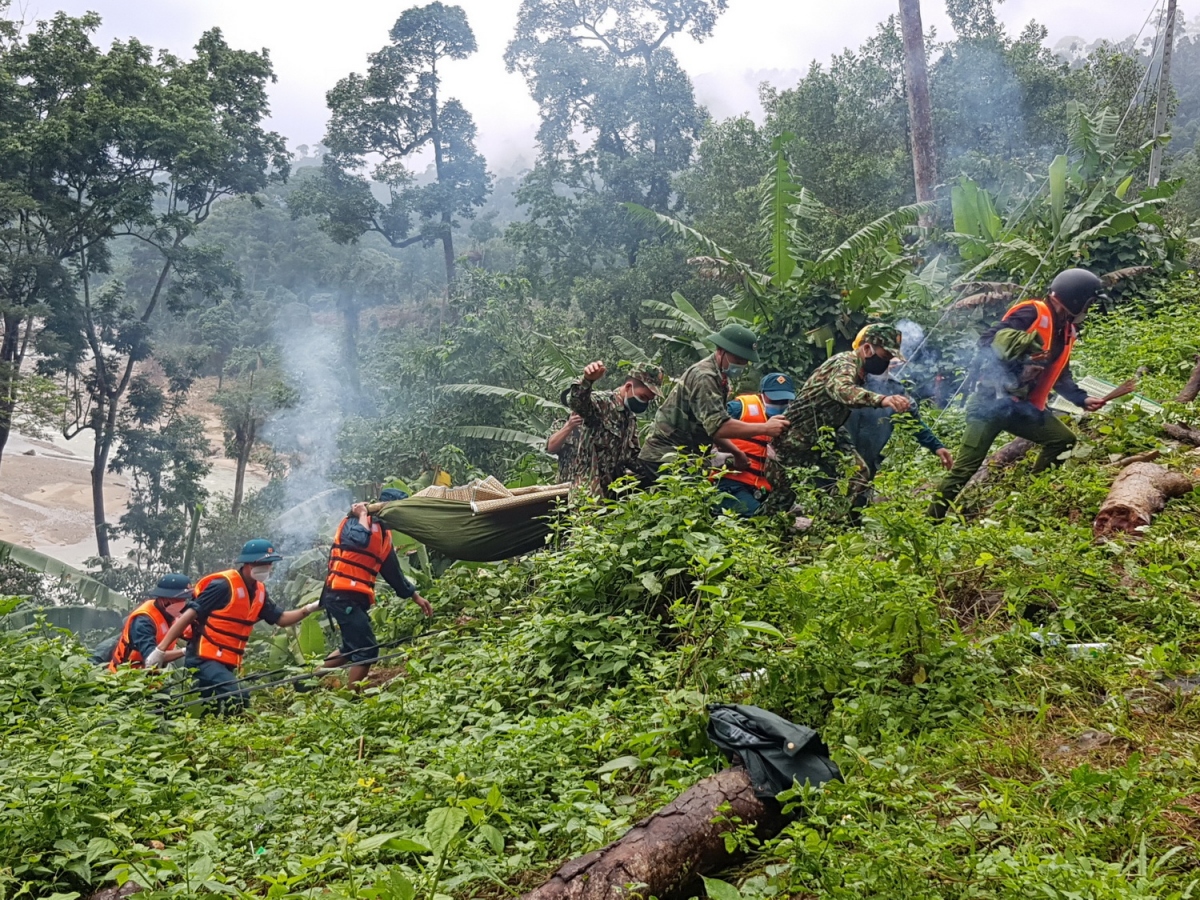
<point>390,495</point>
<point>172,587</point>
<point>258,551</point>
<point>777,386</point>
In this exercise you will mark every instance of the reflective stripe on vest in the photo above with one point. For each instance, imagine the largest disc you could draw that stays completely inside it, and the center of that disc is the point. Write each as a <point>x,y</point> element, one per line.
<point>226,630</point>
<point>355,569</point>
<point>125,652</point>
<point>1043,327</point>
<point>755,448</point>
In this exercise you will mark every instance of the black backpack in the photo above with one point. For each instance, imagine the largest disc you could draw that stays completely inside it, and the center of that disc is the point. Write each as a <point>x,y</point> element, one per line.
<point>774,751</point>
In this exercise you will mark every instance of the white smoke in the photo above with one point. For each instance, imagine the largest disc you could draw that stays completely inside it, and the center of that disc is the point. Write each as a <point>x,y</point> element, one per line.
<point>307,433</point>
<point>912,336</point>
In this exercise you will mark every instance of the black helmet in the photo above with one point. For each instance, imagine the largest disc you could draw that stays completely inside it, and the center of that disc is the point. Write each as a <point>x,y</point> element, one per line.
<point>1076,289</point>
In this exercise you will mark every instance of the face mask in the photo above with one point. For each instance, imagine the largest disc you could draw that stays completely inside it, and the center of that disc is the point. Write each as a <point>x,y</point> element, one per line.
<point>260,573</point>
<point>776,409</point>
<point>733,370</point>
<point>875,365</point>
<point>635,406</point>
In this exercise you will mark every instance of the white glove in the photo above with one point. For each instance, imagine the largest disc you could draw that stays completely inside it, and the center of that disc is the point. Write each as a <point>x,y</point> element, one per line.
<point>156,658</point>
<point>312,607</point>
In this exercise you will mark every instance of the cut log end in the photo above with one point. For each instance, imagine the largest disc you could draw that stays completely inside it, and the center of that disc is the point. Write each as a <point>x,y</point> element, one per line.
<point>1137,495</point>
<point>664,855</point>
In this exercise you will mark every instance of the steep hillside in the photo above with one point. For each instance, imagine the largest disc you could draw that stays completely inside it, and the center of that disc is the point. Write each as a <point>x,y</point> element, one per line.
<point>559,698</point>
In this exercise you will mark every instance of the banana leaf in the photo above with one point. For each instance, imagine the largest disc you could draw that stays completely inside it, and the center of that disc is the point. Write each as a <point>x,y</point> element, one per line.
<point>88,588</point>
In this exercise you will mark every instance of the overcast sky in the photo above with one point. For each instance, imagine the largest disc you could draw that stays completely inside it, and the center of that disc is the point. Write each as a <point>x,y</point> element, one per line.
<point>314,44</point>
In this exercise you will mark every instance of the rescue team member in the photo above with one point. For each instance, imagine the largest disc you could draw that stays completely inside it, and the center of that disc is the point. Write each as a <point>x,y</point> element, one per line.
<point>564,443</point>
<point>149,623</point>
<point>695,415</point>
<point>362,551</point>
<point>608,439</point>
<point>871,429</point>
<point>1023,358</point>
<point>224,608</point>
<point>745,491</point>
<point>824,401</point>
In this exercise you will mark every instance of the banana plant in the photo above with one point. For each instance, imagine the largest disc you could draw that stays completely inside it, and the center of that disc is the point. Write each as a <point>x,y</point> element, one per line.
<point>1085,212</point>
<point>795,285</point>
<point>88,588</point>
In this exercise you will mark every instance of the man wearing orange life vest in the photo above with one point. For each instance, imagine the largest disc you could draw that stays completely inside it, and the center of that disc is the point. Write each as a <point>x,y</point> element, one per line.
<point>149,623</point>
<point>224,607</point>
<point>746,489</point>
<point>362,552</point>
<point>1024,358</point>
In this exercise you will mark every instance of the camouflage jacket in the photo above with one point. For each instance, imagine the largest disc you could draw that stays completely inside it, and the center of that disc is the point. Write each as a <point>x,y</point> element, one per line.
<point>693,412</point>
<point>607,440</point>
<point>826,399</point>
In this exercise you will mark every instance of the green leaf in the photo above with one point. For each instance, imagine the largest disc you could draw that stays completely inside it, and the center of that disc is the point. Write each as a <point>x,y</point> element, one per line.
<point>84,585</point>
<point>442,825</point>
<point>492,835</point>
<point>720,890</point>
<point>1058,188</point>
<point>506,435</point>
<point>763,628</point>
<point>312,637</point>
<point>405,845</point>
<point>621,762</point>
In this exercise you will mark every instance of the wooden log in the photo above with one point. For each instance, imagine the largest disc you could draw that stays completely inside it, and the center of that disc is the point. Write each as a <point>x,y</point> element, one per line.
<point>1182,433</point>
<point>664,855</point>
<point>1008,455</point>
<point>1192,388</point>
<point>1137,495</point>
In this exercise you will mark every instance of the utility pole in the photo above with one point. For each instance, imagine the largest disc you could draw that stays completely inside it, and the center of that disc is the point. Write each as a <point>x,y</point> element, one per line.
<point>920,117</point>
<point>1164,84</point>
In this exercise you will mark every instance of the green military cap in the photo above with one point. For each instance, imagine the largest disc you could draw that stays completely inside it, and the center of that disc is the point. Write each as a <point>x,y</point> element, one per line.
<point>738,340</point>
<point>650,375</point>
<point>886,336</point>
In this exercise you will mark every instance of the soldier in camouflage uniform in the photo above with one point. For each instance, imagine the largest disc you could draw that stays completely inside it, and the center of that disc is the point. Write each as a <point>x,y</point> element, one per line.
<point>608,435</point>
<point>824,402</point>
<point>696,414</point>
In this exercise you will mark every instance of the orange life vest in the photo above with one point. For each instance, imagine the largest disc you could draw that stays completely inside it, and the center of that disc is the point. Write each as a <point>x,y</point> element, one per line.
<point>755,448</point>
<point>226,630</point>
<point>1043,327</point>
<point>125,651</point>
<point>355,569</point>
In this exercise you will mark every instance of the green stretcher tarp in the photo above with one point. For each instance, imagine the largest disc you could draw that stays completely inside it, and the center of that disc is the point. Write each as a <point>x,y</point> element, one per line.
<point>454,529</point>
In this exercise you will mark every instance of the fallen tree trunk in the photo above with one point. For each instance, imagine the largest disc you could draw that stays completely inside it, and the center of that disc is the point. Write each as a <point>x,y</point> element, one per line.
<point>1182,433</point>
<point>1137,495</point>
<point>664,855</point>
<point>1008,455</point>
<point>1192,388</point>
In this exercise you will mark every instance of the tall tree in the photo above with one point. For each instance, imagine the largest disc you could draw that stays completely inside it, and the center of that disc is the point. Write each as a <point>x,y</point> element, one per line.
<point>211,144</point>
<point>916,88</point>
<point>257,389</point>
<point>392,113</point>
<point>79,133</point>
<point>618,120</point>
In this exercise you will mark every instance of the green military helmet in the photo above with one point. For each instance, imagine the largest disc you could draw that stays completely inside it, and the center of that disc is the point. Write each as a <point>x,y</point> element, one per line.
<point>738,340</point>
<point>650,375</point>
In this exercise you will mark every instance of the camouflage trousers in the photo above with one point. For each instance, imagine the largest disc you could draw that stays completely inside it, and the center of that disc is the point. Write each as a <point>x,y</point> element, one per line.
<point>838,470</point>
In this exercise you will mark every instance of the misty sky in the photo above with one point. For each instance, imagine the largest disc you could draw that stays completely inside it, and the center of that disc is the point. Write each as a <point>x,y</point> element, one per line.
<point>313,44</point>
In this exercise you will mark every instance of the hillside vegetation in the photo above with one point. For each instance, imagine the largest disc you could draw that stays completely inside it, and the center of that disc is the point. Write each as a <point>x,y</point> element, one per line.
<point>560,697</point>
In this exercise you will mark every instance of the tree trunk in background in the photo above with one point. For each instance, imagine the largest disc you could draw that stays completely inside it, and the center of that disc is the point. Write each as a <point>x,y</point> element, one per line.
<point>1164,83</point>
<point>1187,395</point>
<point>920,116</point>
<point>448,250</point>
<point>245,440</point>
<point>667,853</point>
